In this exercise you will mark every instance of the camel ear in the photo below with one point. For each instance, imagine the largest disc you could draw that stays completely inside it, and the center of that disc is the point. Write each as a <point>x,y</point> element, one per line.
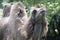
<point>6,4</point>
<point>3,4</point>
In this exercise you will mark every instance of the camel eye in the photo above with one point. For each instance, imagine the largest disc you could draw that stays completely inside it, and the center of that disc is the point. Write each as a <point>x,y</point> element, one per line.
<point>34,12</point>
<point>21,11</point>
<point>21,14</point>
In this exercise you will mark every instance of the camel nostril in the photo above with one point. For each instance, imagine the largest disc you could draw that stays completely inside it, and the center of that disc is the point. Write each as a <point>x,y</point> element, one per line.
<point>42,11</point>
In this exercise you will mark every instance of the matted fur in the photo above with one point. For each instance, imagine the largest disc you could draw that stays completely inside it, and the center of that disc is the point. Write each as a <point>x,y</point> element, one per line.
<point>38,14</point>
<point>10,26</point>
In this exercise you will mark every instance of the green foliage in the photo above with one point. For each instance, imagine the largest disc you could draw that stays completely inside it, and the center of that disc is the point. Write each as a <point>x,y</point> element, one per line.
<point>1,3</point>
<point>52,8</point>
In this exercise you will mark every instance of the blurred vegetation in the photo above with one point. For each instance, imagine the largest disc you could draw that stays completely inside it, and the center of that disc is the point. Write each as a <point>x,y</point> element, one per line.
<point>53,15</point>
<point>54,27</point>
